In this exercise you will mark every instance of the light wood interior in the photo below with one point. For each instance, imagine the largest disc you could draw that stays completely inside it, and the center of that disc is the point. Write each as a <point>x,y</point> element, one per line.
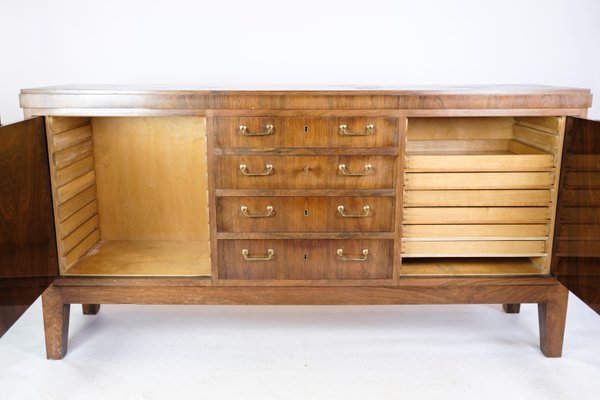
<point>479,187</point>
<point>145,258</point>
<point>74,187</point>
<point>129,191</point>
<point>468,266</point>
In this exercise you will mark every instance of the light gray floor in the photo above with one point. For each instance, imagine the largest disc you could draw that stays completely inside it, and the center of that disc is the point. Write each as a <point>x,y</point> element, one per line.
<point>226,352</point>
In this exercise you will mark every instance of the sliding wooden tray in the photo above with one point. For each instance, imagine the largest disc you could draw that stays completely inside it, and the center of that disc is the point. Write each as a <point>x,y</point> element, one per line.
<point>467,266</point>
<point>477,180</point>
<point>477,198</point>
<point>475,248</point>
<point>475,155</point>
<point>477,215</point>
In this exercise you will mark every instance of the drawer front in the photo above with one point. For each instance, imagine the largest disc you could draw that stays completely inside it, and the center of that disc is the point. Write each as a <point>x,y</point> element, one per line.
<point>281,132</point>
<point>477,215</point>
<point>475,232</point>
<point>512,162</point>
<point>476,198</point>
<point>306,172</point>
<point>305,259</point>
<point>305,214</point>
<point>478,180</point>
<point>482,248</point>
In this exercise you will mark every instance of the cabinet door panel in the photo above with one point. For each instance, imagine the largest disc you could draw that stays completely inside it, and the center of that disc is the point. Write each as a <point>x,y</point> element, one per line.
<point>28,260</point>
<point>576,252</point>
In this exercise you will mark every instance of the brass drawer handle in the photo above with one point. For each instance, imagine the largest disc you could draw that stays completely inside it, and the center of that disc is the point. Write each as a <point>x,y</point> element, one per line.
<point>270,212</point>
<point>369,129</point>
<point>365,255</point>
<point>268,130</point>
<point>268,257</point>
<point>366,209</point>
<point>268,170</point>
<point>365,172</point>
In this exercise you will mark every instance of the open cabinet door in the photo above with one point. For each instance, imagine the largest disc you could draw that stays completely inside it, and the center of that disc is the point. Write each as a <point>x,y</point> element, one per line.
<point>576,252</point>
<point>28,259</point>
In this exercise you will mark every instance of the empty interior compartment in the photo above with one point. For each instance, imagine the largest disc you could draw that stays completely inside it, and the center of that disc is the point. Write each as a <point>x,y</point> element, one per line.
<point>478,188</point>
<point>130,195</point>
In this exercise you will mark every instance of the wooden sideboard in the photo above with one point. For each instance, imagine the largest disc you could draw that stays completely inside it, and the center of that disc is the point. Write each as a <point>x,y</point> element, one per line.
<point>149,195</point>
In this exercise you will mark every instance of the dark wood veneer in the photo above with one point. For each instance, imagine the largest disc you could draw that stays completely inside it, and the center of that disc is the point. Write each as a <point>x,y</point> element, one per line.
<point>576,260</point>
<point>28,260</point>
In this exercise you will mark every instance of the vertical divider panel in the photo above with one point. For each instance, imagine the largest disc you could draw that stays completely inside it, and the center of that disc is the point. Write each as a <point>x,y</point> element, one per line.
<point>211,138</point>
<point>402,124</point>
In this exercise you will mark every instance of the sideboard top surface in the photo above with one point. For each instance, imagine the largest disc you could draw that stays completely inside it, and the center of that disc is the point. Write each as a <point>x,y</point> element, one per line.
<point>304,97</point>
<point>399,90</point>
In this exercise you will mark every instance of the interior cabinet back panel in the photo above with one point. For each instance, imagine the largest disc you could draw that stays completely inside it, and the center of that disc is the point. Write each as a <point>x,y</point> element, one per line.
<point>151,178</point>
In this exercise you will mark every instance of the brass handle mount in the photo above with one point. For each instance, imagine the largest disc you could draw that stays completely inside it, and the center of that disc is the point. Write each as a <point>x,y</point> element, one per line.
<point>268,257</point>
<point>245,132</point>
<point>366,171</point>
<point>342,211</point>
<point>268,170</point>
<point>270,212</point>
<point>345,131</point>
<point>365,255</point>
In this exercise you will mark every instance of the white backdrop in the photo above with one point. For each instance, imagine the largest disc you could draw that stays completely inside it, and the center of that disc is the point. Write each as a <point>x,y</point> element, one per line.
<point>231,43</point>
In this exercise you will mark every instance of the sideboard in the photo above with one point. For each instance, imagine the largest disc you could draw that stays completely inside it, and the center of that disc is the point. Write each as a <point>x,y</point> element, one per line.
<point>340,195</point>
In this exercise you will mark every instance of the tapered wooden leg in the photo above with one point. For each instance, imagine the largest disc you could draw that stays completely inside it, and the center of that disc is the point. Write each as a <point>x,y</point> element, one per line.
<point>511,308</point>
<point>552,316</point>
<point>90,309</point>
<point>56,323</point>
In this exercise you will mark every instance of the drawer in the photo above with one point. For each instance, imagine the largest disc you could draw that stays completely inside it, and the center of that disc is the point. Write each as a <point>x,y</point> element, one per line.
<point>475,248</point>
<point>282,132</point>
<point>478,180</point>
<point>305,214</point>
<point>479,215</point>
<point>512,198</point>
<point>475,231</point>
<point>306,172</point>
<point>305,259</point>
<point>475,155</point>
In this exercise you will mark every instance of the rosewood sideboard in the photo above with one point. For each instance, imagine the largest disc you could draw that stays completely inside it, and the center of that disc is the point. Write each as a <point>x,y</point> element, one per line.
<point>150,195</point>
